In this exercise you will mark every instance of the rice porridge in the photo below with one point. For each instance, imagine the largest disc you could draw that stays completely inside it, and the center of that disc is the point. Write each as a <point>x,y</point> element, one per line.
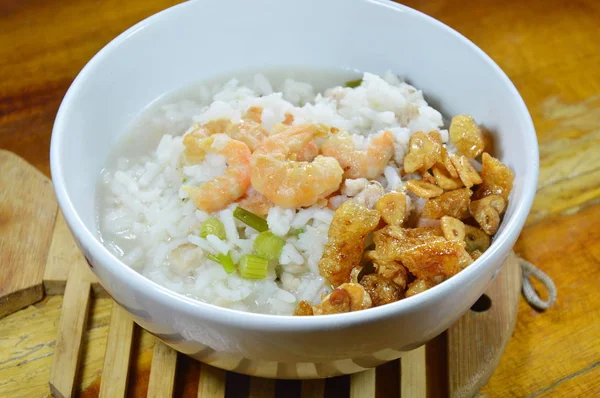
<point>300,191</point>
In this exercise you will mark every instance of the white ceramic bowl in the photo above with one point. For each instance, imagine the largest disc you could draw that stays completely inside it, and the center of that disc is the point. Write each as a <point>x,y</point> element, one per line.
<point>201,39</point>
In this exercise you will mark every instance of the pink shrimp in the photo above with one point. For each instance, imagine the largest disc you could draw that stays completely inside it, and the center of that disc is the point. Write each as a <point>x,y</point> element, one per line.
<point>254,113</point>
<point>356,163</point>
<point>310,150</point>
<point>308,153</point>
<point>221,191</point>
<point>290,183</point>
<point>289,119</point>
<point>248,130</point>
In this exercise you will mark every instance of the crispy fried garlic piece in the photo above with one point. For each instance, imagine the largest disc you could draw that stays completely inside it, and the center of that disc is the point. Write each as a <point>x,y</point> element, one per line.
<point>419,286</point>
<point>452,228</point>
<point>423,189</point>
<point>466,135</point>
<point>465,260</point>
<point>424,150</point>
<point>497,178</point>
<point>347,297</point>
<point>476,254</point>
<point>467,173</point>
<point>426,176</point>
<point>356,274</point>
<point>446,161</point>
<point>392,207</point>
<point>381,290</point>
<point>476,240</point>
<point>443,178</point>
<point>453,203</point>
<point>487,212</point>
<point>337,302</point>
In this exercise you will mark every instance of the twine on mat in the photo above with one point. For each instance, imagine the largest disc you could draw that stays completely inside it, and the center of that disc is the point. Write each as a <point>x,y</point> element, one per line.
<point>529,270</point>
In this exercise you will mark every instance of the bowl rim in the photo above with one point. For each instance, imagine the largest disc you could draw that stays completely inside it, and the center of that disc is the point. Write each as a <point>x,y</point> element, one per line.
<point>497,251</point>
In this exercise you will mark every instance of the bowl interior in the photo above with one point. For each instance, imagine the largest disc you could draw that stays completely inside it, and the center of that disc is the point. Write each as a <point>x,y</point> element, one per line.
<point>201,39</point>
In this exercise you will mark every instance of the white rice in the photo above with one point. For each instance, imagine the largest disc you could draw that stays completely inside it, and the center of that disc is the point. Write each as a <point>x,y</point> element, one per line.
<point>147,221</point>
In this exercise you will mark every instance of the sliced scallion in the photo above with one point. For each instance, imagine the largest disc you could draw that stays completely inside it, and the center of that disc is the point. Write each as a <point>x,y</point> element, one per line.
<point>353,83</point>
<point>213,226</point>
<point>250,219</point>
<point>268,245</point>
<point>253,266</point>
<point>225,260</point>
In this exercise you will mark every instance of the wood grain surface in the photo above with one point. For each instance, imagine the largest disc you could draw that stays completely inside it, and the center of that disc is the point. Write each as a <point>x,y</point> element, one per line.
<point>27,212</point>
<point>550,50</point>
<point>484,326</point>
<point>63,255</point>
<point>161,382</point>
<point>115,370</point>
<point>71,333</point>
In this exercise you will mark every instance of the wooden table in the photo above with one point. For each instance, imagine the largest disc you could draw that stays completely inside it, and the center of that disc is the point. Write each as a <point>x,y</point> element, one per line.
<point>549,48</point>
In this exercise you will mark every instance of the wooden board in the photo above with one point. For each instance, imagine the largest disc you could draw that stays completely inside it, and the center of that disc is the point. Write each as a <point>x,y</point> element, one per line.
<point>162,371</point>
<point>66,269</point>
<point>413,374</point>
<point>27,212</point>
<point>118,354</point>
<point>69,338</point>
<point>212,382</point>
<point>475,339</point>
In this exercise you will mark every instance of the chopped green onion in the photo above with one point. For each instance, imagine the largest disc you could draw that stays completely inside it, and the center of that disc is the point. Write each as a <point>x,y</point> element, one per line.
<point>251,219</point>
<point>268,245</point>
<point>253,266</point>
<point>223,259</point>
<point>353,83</point>
<point>296,231</point>
<point>227,263</point>
<point>213,226</point>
